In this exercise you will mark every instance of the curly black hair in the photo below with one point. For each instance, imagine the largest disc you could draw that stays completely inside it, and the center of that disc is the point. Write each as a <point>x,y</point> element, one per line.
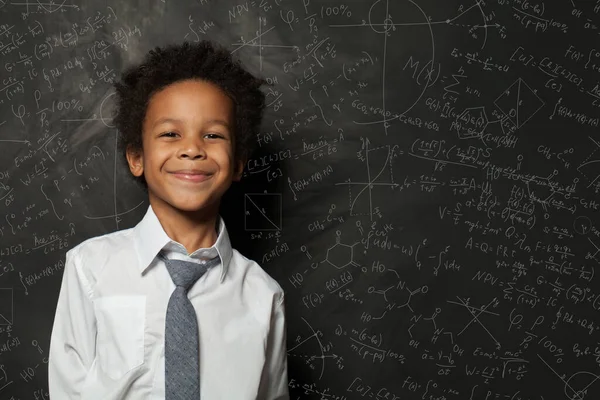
<point>207,61</point>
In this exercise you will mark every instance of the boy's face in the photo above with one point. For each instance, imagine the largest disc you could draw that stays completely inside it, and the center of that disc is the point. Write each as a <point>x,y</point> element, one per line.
<point>187,156</point>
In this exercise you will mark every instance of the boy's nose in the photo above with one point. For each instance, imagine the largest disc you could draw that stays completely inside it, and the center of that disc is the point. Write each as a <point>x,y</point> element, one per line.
<point>192,149</point>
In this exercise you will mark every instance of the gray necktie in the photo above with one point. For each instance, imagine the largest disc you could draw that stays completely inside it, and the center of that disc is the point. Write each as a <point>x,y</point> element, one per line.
<point>182,352</point>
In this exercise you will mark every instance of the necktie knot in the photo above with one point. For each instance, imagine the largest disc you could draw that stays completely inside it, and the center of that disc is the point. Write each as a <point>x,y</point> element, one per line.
<point>186,273</point>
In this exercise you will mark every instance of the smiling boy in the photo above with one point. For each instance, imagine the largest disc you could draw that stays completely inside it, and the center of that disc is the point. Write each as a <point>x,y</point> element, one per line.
<point>125,325</point>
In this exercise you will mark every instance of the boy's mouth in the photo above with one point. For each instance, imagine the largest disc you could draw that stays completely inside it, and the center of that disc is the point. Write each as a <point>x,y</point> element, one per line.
<point>192,175</point>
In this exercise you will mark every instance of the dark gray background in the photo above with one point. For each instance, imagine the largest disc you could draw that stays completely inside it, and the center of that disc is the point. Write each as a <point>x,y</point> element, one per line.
<point>425,189</point>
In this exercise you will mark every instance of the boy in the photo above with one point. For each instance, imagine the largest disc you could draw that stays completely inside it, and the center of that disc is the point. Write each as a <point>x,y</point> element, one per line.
<point>125,327</point>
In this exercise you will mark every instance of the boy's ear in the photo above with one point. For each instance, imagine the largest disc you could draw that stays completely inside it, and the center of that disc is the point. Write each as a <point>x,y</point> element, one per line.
<point>135,161</point>
<point>239,170</point>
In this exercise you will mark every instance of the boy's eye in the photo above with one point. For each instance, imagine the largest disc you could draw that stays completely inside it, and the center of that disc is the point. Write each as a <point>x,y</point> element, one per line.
<point>208,135</point>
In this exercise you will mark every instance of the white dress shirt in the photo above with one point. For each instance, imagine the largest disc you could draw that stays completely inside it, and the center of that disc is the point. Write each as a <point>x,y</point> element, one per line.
<point>107,340</point>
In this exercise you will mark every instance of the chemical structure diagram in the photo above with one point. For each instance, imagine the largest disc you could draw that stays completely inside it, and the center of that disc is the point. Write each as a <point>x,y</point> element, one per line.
<point>340,255</point>
<point>391,305</point>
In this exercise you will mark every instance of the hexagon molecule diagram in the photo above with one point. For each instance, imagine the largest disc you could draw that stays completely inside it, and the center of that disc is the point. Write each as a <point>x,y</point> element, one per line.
<point>341,255</point>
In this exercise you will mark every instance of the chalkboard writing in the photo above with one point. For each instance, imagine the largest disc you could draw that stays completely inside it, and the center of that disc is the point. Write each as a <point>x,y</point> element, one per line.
<point>425,187</point>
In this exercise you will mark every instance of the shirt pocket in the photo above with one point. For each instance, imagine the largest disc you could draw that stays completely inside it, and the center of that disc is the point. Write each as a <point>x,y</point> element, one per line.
<point>120,341</point>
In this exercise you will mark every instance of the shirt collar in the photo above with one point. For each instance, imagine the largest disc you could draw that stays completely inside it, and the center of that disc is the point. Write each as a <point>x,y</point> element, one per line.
<point>150,238</point>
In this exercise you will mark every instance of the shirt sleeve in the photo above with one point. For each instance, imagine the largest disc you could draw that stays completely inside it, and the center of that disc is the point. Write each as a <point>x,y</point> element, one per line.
<point>73,338</point>
<point>274,381</point>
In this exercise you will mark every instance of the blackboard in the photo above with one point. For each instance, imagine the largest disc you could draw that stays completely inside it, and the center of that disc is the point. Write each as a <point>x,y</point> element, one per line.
<point>425,187</point>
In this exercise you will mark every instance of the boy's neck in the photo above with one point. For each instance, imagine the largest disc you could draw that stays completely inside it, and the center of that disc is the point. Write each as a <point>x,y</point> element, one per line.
<point>194,230</point>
